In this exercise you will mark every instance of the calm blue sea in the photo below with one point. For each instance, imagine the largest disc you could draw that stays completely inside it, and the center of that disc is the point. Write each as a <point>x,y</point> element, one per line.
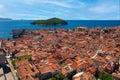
<point>6,26</point>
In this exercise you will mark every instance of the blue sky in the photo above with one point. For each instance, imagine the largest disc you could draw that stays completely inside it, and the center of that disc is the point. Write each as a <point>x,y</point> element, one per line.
<point>65,9</point>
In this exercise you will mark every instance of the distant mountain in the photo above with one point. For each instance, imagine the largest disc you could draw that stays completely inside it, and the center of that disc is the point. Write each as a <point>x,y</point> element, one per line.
<point>5,19</point>
<point>50,22</point>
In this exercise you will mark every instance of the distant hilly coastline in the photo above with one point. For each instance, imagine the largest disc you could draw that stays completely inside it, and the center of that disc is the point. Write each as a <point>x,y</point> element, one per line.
<point>5,19</point>
<point>50,22</point>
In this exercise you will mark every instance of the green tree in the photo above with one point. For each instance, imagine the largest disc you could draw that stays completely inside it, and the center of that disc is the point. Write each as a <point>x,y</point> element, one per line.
<point>58,77</point>
<point>105,77</point>
<point>50,22</point>
<point>52,79</point>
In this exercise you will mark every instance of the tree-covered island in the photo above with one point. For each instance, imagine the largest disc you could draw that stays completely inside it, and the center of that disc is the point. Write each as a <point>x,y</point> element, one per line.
<point>50,22</point>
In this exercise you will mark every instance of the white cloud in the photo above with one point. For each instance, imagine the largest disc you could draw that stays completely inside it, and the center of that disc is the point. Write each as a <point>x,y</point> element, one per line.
<point>60,3</point>
<point>117,17</point>
<point>25,16</point>
<point>103,9</point>
<point>52,2</point>
<point>2,8</point>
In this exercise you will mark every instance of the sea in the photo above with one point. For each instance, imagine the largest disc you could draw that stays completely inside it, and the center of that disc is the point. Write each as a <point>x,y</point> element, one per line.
<point>6,26</point>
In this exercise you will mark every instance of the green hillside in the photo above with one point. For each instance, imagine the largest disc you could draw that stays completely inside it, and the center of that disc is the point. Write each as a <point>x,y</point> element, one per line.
<point>50,22</point>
